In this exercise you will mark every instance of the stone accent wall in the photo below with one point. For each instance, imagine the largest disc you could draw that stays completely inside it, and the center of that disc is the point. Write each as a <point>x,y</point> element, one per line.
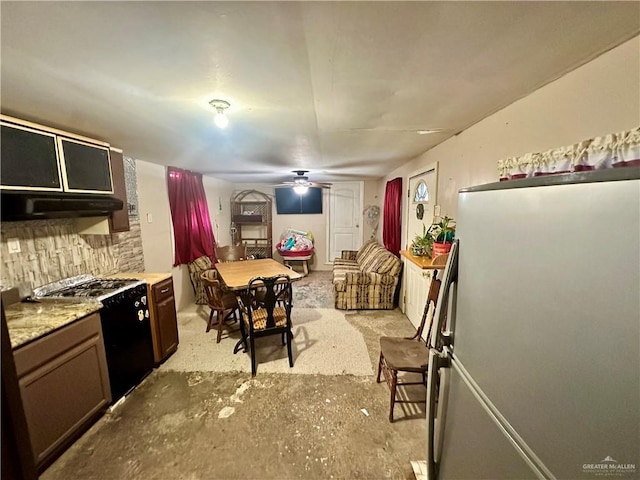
<point>131,184</point>
<point>51,250</point>
<point>127,248</point>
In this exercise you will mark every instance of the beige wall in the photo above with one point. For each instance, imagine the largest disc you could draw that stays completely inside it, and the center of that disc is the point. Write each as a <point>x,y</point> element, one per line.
<point>598,98</point>
<point>371,197</point>
<point>316,223</point>
<point>157,237</point>
<point>219,201</point>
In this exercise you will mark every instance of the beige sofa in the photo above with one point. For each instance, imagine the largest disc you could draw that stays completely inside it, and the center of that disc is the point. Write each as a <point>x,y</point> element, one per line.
<point>366,279</point>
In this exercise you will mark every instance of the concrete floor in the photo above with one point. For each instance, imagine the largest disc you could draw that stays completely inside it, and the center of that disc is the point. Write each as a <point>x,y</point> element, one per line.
<point>275,426</point>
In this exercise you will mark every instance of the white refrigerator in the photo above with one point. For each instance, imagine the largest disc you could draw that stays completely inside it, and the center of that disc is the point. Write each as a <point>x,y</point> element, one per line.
<point>535,364</point>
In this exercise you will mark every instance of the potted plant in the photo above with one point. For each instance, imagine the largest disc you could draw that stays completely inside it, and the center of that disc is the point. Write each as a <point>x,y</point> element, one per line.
<point>421,245</point>
<point>442,233</point>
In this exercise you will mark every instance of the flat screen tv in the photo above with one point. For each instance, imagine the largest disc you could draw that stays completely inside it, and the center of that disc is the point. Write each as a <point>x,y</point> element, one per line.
<point>289,202</point>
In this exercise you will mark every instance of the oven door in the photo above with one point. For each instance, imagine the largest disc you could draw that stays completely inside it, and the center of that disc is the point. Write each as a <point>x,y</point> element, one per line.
<point>127,335</point>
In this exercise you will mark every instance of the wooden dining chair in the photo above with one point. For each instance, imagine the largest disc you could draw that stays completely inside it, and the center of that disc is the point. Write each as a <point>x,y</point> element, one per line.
<point>271,315</point>
<point>220,301</point>
<point>231,253</point>
<point>410,354</point>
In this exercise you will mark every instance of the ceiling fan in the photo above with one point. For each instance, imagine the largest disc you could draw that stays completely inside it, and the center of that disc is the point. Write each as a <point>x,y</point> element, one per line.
<point>301,181</point>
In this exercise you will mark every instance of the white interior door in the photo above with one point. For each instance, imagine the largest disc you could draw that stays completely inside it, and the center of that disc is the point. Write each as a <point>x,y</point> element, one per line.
<point>422,195</point>
<point>345,218</point>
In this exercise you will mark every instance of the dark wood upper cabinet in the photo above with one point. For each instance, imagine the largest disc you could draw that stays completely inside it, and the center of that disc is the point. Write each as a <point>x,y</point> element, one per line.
<point>119,220</point>
<point>86,167</point>
<point>29,159</point>
<point>37,157</point>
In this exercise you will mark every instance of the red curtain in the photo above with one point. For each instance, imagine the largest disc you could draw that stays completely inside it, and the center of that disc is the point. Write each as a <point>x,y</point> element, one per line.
<point>190,215</point>
<point>391,219</point>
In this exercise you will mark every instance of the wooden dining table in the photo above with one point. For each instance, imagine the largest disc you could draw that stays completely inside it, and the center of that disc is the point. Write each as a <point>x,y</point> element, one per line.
<point>236,275</point>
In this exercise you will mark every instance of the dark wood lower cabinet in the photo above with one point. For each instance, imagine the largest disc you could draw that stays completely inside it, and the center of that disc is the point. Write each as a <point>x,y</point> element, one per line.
<point>64,385</point>
<point>164,324</point>
<point>17,459</point>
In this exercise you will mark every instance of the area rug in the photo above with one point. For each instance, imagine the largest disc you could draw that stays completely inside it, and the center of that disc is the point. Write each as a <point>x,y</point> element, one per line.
<point>314,291</point>
<point>324,343</point>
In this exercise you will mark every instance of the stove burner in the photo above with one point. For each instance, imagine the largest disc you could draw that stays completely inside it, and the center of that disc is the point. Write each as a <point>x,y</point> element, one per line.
<point>107,284</point>
<point>100,288</point>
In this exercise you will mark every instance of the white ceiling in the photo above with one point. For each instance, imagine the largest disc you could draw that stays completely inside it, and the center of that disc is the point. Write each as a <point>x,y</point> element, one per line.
<point>336,88</point>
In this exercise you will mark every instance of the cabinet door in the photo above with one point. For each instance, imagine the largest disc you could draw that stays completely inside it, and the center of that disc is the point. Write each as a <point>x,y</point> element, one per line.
<point>63,384</point>
<point>86,167</point>
<point>119,220</point>
<point>167,324</point>
<point>416,287</point>
<point>29,159</point>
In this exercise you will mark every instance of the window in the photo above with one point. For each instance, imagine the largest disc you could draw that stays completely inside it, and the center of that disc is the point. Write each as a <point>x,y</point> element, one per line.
<point>422,193</point>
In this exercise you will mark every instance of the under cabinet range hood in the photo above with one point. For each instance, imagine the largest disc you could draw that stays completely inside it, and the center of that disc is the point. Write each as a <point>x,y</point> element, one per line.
<point>28,205</point>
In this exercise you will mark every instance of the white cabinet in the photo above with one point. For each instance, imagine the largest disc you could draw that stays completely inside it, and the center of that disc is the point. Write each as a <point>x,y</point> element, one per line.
<point>416,283</point>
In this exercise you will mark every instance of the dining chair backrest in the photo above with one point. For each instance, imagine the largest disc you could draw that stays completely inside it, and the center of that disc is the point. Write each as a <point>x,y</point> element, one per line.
<point>219,300</point>
<point>265,309</point>
<point>275,295</point>
<point>432,299</point>
<point>231,253</point>
<point>212,288</point>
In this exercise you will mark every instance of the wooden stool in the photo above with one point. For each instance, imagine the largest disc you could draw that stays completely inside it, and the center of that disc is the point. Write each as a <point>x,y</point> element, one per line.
<point>303,259</point>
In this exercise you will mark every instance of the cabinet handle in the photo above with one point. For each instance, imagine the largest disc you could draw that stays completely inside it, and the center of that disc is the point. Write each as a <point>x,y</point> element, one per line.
<point>164,290</point>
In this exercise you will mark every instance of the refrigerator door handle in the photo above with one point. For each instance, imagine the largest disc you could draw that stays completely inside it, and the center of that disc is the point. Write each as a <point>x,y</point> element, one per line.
<point>449,280</point>
<point>437,394</point>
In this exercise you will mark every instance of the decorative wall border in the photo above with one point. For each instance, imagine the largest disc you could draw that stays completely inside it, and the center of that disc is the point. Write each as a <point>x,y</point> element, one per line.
<point>610,151</point>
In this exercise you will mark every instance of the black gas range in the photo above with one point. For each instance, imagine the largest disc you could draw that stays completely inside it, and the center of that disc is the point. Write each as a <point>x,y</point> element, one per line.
<point>126,327</point>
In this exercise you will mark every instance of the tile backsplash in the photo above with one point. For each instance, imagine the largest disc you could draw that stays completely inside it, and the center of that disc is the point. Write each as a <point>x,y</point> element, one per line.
<point>52,249</point>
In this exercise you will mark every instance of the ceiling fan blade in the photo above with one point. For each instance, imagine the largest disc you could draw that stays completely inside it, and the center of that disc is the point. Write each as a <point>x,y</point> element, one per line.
<point>307,184</point>
<point>319,184</point>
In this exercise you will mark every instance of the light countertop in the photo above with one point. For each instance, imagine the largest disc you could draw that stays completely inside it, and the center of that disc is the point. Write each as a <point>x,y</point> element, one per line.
<point>426,263</point>
<point>28,321</point>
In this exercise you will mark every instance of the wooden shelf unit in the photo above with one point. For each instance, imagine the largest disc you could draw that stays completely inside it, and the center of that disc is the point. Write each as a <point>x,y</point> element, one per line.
<point>251,222</point>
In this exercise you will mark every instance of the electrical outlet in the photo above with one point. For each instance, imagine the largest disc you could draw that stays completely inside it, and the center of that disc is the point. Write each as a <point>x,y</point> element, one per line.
<point>149,218</point>
<point>14,245</point>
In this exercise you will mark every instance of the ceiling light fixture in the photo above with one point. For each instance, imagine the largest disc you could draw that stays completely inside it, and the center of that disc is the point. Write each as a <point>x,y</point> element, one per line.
<point>220,119</point>
<point>428,131</point>
<point>300,189</point>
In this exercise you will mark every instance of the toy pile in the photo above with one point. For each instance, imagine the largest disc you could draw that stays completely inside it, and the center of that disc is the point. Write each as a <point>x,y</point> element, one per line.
<point>295,243</point>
